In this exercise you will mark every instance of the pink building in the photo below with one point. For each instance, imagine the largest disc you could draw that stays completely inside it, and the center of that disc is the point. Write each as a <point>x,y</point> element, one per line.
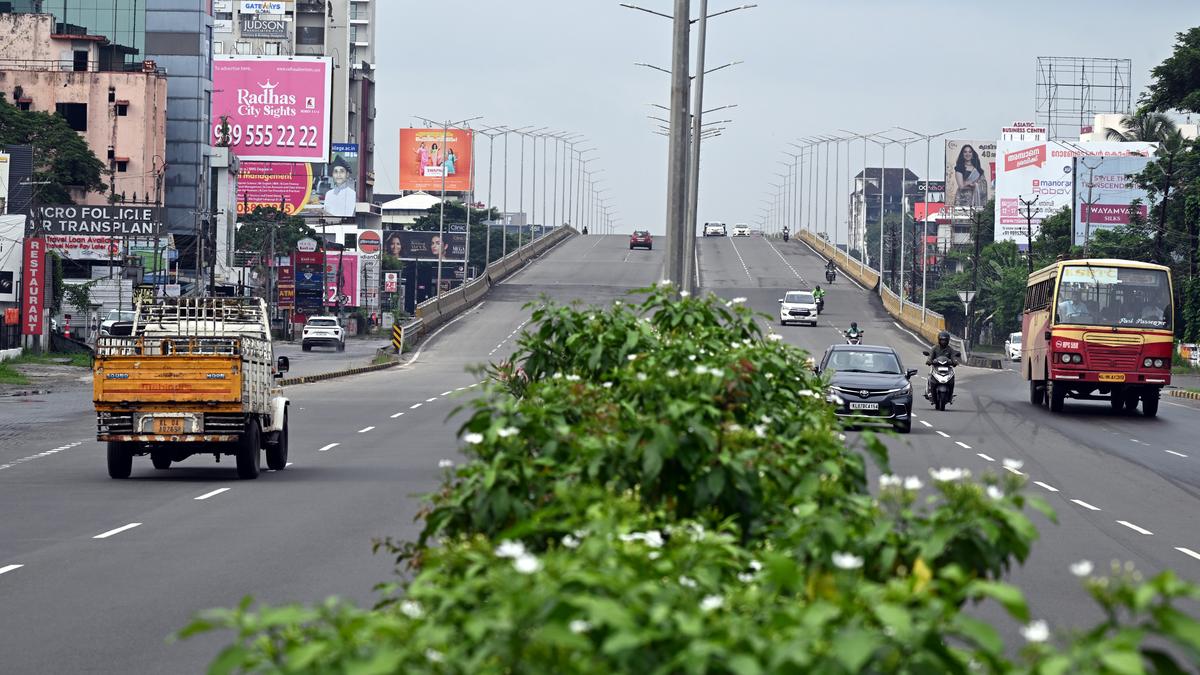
<point>122,114</point>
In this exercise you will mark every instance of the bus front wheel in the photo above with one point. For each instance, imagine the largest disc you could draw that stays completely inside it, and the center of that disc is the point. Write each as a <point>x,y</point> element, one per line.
<point>1037,392</point>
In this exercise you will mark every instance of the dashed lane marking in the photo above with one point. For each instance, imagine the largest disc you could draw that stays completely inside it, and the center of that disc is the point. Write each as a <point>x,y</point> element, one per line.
<point>447,393</point>
<point>9,568</point>
<point>926,424</point>
<point>399,414</point>
<point>1045,486</point>
<point>329,447</point>
<point>990,459</point>
<point>1185,551</point>
<point>119,530</point>
<point>962,445</point>
<point>415,406</point>
<point>1177,454</point>
<point>1086,505</point>
<point>365,430</point>
<point>1135,528</point>
<point>214,493</point>
<point>431,400</point>
<point>943,434</point>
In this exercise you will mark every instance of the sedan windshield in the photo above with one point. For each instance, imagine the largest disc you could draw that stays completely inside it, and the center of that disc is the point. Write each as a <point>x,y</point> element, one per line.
<point>799,298</point>
<point>1094,295</point>
<point>884,363</point>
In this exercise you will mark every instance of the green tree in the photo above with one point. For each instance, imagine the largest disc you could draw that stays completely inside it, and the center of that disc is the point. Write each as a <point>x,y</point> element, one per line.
<point>1176,81</point>
<point>1144,125</point>
<point>61,158</point>
<point>1055,237</point>
<point>254,230</point>
<point>456,212</point>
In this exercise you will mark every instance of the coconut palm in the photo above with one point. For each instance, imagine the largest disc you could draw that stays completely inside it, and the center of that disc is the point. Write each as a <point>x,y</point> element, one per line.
<point>1143,126</point>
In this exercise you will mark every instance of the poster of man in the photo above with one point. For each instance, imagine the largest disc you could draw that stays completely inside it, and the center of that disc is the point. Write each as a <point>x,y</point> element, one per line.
<point>425,246</point>
<point>970,173</point>
<point>342,195</point>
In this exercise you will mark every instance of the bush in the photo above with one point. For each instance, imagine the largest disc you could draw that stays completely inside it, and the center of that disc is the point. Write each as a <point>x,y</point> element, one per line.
<point>662,488</point>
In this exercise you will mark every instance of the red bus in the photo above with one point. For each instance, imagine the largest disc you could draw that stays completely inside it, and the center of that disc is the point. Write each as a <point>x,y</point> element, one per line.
<point>1100,330</point>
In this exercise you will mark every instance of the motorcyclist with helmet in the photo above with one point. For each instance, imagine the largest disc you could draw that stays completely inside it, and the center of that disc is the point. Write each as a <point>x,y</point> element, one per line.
<point>819,296</point>
<point>853,333</point>
<point>785,233</point>
<point>940,349</point>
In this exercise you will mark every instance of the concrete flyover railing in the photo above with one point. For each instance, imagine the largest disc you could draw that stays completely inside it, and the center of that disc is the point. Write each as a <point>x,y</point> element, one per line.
<point>438,310</point>
<point>855,269</point>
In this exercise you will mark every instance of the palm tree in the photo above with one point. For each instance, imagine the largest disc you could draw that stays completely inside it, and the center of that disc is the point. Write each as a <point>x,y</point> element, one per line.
<point>1143,126</point>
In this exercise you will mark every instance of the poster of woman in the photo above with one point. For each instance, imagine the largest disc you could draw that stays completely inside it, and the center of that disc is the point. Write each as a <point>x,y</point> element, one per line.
<point>970,167</point>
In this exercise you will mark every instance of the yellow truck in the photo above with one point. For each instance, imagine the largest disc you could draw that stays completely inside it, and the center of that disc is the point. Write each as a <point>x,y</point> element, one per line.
<point>194,376</point>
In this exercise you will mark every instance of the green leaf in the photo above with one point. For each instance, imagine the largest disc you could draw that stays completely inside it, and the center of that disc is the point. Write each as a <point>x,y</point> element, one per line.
<point>1009,596</point>
<point>853,647</point>
<point>980,632</point>
<point>1123,662</point>
<point>896,618</point>
<point>743,664</point>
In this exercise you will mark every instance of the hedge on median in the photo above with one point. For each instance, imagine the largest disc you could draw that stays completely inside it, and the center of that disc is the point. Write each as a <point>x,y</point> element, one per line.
<point>662,487</point>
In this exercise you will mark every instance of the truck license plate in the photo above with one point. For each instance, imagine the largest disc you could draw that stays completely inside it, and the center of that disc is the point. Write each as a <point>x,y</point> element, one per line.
<point>1112,377</point>
<point>169,425</point>
<point>854,405</point>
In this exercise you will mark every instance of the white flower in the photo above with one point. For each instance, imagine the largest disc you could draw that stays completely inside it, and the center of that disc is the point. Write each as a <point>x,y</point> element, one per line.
<point>702,369</point>
<point>1036,631</point>
<point>653,539</point>
<point>691,357</point>
<point>505,432</point>
<point>760,430</point>
<point>766,420</point>
<point>608,385</point>
<point>684,294</point>
<point>510,549</point>
<point>632,357</point>
<point>686,582</point>
<point>913,483</point>
<point>573,378</point>
<point>579,626</point>
<point>755,565</point>
<point>716,372</point>
<point>570,541</point>
<point>1082,568</point>
<point>946,475</point>
<point>473,439</point>
<point>1013,464</point>
<point>654,555</point>
<point>887,480</point>
<point>769,376</point>
<point>664,282</point>
<point>745,577</point>
<point>774,337</point>
<point>434,656</point>
<point>527,564</point>
<point>995,492</point>
<point>641,377</point>
<point>711,602</point>
<point>558,376</point>
<point>411,609</point>
<point>847,561</point>
<point>738,300</point>
<point>672,373</point>
<point>446,464</point>
<point>734,428</point>
<point>735,345</point>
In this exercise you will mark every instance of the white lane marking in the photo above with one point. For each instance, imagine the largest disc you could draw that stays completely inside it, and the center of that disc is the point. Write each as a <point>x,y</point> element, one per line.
<point>913,415</point>
<point>329,447</point>
<point>943,434</point>
<point>119,530</point>
<point>365,430</point>
<point>39,455</point>
<point>399,414</point>
<point>962,445</point>
<point>739,255</point>
<point>909,332</point>
<point>447,393</point>
<point>990,459</point>
<point>1177,454</point>
<point>460,389</point>
<point>926,424</point>
<point>474,385</point>
<point>1086,505</point>
<point>1177,405</point>
<point>214,493</point>
<point>9,568</point>
<point>1043,485</point>
<point>1014,470</point>
<point>415,406</point>
<point>1185,551</point>
<point>785,262</point>
<point>431,400</point>
<point>1135,528</point>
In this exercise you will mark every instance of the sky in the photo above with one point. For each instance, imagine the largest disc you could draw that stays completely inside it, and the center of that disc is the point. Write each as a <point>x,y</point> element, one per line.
<point>809,68</point>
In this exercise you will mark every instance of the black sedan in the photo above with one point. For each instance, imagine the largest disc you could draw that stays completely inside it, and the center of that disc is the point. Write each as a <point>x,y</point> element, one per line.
<point>869,384</point>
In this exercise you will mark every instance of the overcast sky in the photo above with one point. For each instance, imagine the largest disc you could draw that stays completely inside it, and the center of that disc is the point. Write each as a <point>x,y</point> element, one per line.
<point>811,67</point>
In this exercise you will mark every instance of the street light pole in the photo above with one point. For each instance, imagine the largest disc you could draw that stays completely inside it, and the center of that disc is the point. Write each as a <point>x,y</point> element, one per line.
<point>442,207</point>
<point>677,154</point>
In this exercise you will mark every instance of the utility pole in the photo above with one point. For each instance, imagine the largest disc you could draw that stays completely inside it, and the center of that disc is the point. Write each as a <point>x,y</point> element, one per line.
<point>1087,227</point>
<point>677,153</point>
<point>976,218</point>
<point>1027,211</point>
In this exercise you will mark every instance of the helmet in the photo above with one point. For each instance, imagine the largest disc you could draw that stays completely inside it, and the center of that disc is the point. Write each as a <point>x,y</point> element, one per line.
<point>818,287</point>
<point>944,339</point>
<point>853,325</point>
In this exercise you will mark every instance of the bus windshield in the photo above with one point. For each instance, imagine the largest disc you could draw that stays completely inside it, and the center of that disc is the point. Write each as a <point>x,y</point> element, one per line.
<point>1095,295</point>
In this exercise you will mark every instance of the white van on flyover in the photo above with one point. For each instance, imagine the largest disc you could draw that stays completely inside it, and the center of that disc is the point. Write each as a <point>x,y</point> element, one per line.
<point>714,229</point>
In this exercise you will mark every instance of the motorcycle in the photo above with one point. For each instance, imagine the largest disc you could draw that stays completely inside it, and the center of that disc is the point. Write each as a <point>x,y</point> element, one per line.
<point>830,275</point>
<point>785,235</point>
<point>940,391</point>
<point>820,305</point>
<point>853,339</point>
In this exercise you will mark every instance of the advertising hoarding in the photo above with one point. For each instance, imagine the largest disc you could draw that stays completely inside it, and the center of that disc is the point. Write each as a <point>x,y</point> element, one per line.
<point>427,154</point>
<point>79,247</point>
<point>339,198</point>
<point>111,220</point>
<point>970,173</point>
<point>425,246</point>
<point>33,287</point>
<point>12,229</point>
<point>1044,170</point>
<point>269,183</point>
<point>1110,180</point>
<point>344,285</point>
<point>277,107</point>
<point>271,26</point>
<point>310,280</point>
<point>264,6</point>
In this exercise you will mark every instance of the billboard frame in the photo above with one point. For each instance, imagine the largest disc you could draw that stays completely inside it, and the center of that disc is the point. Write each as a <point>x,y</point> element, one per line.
<point>319,145</point>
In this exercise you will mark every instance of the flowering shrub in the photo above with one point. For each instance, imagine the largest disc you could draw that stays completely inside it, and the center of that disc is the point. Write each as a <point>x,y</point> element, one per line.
<point>663,488</point>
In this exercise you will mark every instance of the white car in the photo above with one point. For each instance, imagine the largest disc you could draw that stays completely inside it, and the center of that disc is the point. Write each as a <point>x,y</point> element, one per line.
<point>741,230</point>
<point>323,331</point>
<point>1012,346</point>
<point>114,316</point>
<point>714,229</point>
<point>798,307</point>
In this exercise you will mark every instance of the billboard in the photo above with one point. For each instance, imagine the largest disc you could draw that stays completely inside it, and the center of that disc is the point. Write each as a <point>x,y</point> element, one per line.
<point>277,107</point>
<point>114,220</point>
<point>310,280</point>
<point>34,288</point>
<point>344,284</point>
<point>269,183</point>
<point>428,154</point>
<point>970,173</point>
<point>425,246</point>
<point>342,192</point>
<point>1112,190</point>
<point>1044,170</point>
<point>270,26</point>
<point>12,229</point>
<point>81,247</point>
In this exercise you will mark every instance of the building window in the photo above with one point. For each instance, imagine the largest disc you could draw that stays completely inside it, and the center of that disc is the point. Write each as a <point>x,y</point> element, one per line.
<point>112,94</point>
<point>218,48</point>
<point>75,114</point>
<point>24,103</point>
<point>271,49</point>
<point>242,47</point>
<point>122,166</point>
<point>351,240</point>
<point>122,109</point>
<point>310,35</point>
<point>81,61</point>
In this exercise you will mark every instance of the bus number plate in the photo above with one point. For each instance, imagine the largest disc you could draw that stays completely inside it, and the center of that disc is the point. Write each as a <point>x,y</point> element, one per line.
<point>1112,377</point>
<point>169,425</point>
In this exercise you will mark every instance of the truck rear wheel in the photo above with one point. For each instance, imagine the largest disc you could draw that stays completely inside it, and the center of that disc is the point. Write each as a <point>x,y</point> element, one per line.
<point>249,452</point>
<point>120,460</point>
<point>277,452</point>
<point>161,459</point>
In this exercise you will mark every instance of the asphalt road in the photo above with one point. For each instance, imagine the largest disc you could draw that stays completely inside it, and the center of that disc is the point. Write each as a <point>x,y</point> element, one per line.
<point>1125,487</point>
<point>95,574</point>
<point>359,352</point>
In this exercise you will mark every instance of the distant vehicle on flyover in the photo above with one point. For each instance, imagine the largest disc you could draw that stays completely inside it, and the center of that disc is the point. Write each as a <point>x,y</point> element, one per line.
<point>1098,329</point>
